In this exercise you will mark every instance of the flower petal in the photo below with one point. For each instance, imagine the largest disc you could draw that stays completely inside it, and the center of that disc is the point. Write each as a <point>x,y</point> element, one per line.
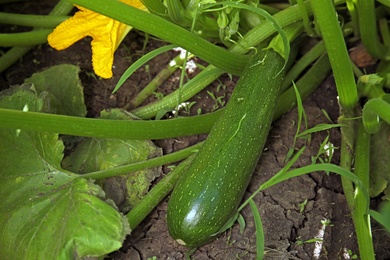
<point>73,29</point>
<point>106,35</point>
<point>102,58</point>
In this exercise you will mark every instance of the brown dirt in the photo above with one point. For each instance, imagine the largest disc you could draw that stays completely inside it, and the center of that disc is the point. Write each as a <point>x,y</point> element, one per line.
<point>287,226</point>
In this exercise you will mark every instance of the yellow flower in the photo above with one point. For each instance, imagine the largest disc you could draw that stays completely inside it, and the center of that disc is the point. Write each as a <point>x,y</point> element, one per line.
<point>106,35</point>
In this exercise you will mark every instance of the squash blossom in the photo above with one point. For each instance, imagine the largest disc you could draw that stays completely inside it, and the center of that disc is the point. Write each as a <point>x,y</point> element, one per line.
<point>106,35</point>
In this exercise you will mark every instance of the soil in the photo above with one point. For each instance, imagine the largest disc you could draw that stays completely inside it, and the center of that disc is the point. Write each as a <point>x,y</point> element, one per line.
<point>293,212</point>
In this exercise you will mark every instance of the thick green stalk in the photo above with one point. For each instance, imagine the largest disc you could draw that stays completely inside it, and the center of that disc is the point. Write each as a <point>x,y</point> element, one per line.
<point>306,18</point>
<point>159,27</point>
<point>163,75</point>
<point>326,18</point>
<point>63,7</point>
<point>157,194</point>
<point>143,129</point>
<point>368,29</point>
<point>384,29</point>
<point>354,17</point>
<point>30,20</point>
<point>155,6</point>
<point>92,127</point>
<point>188,90</point>
<point>346,183</point>
<point>328,24</point>
<point>14,54</point>
<point>150,163</point>
<point>306,85</point>
<point>258,34</point>
<point>24,39</point>
<point>307,59</point>
<point>266,29</point>
<point>360,215</point>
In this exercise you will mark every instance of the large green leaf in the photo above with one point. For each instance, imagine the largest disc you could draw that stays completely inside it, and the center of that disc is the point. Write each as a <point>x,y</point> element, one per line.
<point>47,212</point>
<point>63,87</point>
<point>95,154</point>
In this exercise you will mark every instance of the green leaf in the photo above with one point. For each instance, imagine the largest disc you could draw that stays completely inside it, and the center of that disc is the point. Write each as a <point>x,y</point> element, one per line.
<point>63,86</point>
<point>259,230</point>
<point>46,212</point>
<point>319,128</point>
<point>241,222</point>
<point>140,62</point>
<point>383,216</point>
<point>96,154</point>
<point>380,161</point>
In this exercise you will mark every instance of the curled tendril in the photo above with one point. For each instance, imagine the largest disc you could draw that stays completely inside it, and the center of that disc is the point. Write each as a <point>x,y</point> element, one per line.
<point>375,111</point>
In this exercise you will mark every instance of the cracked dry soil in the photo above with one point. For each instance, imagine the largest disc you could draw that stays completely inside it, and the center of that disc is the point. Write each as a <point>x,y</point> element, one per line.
<point>293,212</point>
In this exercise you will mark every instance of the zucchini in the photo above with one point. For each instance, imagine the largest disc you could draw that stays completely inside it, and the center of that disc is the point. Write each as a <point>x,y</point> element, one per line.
<point>209,193</point>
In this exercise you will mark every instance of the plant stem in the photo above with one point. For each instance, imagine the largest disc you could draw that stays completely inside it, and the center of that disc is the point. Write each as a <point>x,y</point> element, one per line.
<point>307,59</point>
<point>384,29</point>
<point>266,29</point>
<point>207,76</point>
<point>360,215</point>
<point>24,39</point>
<point>368,29</point>
<point>157,194</point>
<point>30,20</point>
<point>163,75</point>
<point>155,6</point>
<point>14,54</point>
<point>326,18</point>
<point>354,17</point>
<point>142,129</point>
<point>305,17</point>
<point>345,162</point>
<point>306,85</point>
<point>188,90</point>
<point>154,162</point>
<point>92,127</point>
<point>159,27</point>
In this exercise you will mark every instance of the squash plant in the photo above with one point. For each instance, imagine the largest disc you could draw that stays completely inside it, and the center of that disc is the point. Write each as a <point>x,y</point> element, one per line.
<point>41,198</point>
